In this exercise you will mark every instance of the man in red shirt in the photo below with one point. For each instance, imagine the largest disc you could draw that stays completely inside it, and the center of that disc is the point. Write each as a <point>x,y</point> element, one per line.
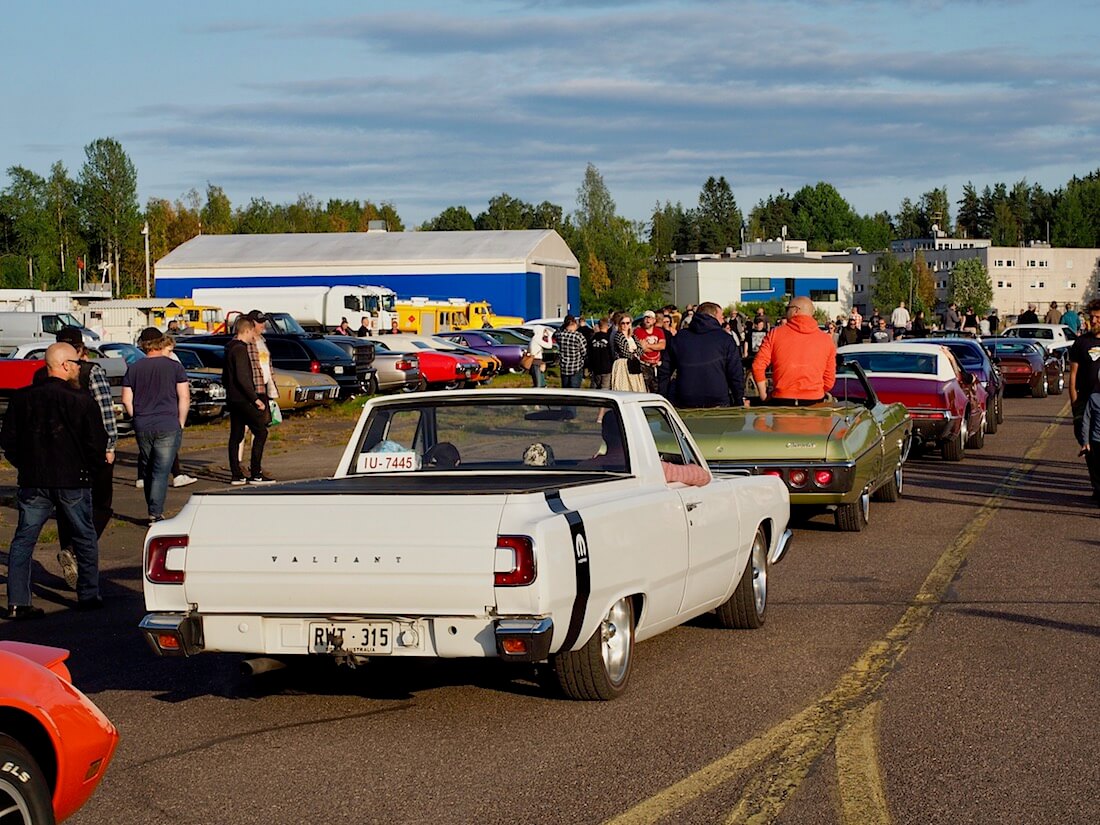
<point>801,356</point>
<point>651,342</point>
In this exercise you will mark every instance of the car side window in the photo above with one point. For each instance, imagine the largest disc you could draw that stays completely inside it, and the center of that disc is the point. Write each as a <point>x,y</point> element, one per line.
<point>282,348</point>
<point>672,445</point>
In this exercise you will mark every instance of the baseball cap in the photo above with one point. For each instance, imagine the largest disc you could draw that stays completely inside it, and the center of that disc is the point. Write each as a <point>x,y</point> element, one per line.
<point>149,334</point>
<point>70,335</point>
<point>256,317</point>
<point>649,313</point>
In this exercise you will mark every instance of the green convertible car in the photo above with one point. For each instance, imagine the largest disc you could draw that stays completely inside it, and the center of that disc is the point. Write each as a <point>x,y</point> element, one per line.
<point>838,454</point>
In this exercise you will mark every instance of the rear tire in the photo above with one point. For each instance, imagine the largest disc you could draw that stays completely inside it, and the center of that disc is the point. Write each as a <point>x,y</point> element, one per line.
<point>991,417</point>
<point>747,608</point>
<point>1001,408</point>
<point>1060,385</point>
<point>852,518</point>
<point>600,670</point>
<point>1040,389</point>
<point>891,490</point>
<point>977,436</point>
<point>24,791</point>
<point>955,449</point>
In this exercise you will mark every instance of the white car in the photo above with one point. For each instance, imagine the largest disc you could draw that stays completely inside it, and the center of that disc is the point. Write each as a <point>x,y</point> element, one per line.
<point>504,523</point>
<point>1056,338</point>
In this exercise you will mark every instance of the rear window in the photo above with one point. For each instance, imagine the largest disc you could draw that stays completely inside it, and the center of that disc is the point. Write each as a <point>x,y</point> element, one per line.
<point>499,436</point>
<point>898,362</point>
<point>967,356</point>
<point>1034,332</point>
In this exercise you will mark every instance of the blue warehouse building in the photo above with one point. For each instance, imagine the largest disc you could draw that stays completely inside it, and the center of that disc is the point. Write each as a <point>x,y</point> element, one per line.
<point>529,273</point>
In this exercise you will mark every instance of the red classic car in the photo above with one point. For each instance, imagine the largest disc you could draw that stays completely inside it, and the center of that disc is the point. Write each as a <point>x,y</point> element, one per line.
<point>946,403</point>
<point>439,370</point>
<point>55,744</point>
<point>1028,364</point>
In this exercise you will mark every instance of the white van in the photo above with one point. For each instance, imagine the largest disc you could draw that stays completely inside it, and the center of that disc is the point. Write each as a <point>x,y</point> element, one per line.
<point>34,327</point>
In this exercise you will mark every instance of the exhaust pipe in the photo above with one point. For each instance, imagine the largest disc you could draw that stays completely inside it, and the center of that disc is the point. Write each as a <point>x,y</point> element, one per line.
<point>264,664</point>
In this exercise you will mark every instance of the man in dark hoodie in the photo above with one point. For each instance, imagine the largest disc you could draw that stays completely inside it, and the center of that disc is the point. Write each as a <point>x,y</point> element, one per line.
<point>802,359</point>
<point>703,367</point>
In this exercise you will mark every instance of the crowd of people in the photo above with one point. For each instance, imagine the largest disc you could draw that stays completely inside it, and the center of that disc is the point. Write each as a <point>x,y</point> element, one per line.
<point>60,434</point>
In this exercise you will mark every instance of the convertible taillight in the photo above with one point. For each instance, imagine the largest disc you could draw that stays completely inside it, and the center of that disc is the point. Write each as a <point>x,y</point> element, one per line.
<point>164,560</point>
<point>515,561</point>
<point>823,478</point>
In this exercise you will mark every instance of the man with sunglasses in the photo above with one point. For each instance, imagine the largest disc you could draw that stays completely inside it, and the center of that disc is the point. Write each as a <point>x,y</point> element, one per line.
<point>53,434</point>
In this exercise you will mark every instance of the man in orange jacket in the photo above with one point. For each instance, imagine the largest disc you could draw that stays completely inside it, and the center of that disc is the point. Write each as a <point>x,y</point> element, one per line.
<point>802,358</point>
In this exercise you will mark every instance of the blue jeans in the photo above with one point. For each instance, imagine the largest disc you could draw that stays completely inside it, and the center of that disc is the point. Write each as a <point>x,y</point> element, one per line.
<point>158,451</point>
<point>571,381</point>
<point>35,505</point>
<point>538,376</point>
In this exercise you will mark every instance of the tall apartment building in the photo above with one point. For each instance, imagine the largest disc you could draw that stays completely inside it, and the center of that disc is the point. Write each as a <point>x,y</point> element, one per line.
<point>1034,274</point>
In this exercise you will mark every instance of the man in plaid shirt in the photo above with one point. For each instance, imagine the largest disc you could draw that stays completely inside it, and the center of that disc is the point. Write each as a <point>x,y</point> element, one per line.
<point>93,380</point>
<point>572,350</point>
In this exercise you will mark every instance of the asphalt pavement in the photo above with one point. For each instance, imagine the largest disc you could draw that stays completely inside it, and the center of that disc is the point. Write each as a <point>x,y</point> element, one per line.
<point>940,666</point>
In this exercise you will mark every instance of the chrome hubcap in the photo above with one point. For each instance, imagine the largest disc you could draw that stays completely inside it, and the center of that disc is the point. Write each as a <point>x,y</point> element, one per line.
<point>615,636</point>
<point>759,573</point>
<point>13,808</point>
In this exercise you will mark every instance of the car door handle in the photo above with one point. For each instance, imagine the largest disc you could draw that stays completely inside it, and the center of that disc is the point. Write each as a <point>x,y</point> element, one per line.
<point>691,505</point>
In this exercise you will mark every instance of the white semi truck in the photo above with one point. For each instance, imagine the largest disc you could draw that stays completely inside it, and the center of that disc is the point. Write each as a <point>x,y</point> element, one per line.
<point>317,308</point>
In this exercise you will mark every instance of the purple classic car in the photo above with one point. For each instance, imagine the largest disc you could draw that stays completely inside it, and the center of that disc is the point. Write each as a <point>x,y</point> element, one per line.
<point>485,340</point>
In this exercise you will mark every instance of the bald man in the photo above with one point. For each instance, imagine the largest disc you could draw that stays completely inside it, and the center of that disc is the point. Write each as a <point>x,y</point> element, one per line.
<point>54,436</point>
<point>802,358</point>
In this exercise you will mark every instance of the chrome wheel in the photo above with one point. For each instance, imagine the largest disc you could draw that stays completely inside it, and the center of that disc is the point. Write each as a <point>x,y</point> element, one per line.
<point>759,564</point>
<point>616,642</point>
<point>13,807</point>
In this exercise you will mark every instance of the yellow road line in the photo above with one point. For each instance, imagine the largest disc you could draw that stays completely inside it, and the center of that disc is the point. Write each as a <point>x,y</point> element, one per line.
<point>800,740</point>
<point>862,795</point>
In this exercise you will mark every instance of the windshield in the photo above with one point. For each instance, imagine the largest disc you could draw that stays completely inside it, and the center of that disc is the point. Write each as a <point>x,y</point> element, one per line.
<point>1033,332</point>
<point>286,324</point>
<point>189,360</point>
<point>897,362</point>
<point>513,436</point>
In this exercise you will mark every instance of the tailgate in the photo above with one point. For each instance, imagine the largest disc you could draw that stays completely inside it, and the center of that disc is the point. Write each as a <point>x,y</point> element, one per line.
<point>343,554</point>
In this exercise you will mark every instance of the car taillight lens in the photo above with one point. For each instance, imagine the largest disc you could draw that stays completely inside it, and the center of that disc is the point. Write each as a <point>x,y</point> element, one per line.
<point>314,366</point>
<point>775,473</point>
<point>404,365</point>
<point>798,478</point>
<point>164,559</point>
<point>515,561</point>
<point>823,478</point>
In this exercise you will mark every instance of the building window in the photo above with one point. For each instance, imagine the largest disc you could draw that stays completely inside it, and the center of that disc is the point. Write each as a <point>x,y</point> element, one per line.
<point>1008,284</point>
<point>1010,263</point>
<point>823,295</point>
<point>1044,263</point>
<point>1071,284</point>
<point>756,285</point>
<point>998,263</point>
<point>1000,284</point>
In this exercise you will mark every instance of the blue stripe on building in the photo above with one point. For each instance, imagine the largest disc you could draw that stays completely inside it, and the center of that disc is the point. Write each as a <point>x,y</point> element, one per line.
<point>510,293</point>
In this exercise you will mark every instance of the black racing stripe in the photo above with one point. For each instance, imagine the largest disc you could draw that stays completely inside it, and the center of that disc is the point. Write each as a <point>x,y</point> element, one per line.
<point>580,561</point>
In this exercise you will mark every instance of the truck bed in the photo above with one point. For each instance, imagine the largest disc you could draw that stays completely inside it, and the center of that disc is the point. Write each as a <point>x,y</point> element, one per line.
<point>436,484</point>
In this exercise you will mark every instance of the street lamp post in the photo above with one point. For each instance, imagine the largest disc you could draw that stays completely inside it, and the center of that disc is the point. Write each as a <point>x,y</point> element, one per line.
<point>145,234</point>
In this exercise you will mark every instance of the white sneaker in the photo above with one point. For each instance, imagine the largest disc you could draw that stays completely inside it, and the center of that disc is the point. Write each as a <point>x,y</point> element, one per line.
<point>140,483</point>
<point>183,480</point>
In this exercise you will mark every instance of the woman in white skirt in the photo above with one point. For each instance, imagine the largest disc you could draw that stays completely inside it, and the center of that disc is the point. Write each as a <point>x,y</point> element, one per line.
<point>624,348</point>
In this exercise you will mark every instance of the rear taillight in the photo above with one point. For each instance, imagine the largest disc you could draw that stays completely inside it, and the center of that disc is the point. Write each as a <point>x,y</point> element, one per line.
<point>515,561</point>
<point>798,478</point>
<point>775,473</point>
<point>164,560</point>
<point>404,365</point>
<point>314,366</point>
<point>823,478</point>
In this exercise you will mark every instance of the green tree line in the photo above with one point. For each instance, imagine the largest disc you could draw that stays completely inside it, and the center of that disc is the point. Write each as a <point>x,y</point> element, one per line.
<point>49,224</point>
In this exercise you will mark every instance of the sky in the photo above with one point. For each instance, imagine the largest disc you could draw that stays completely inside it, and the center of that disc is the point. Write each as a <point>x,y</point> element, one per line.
<point>433,104</point>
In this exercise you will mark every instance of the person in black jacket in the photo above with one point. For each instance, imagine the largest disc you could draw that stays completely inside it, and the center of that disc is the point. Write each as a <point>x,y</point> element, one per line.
<point>54,436</point>
<point>244,397</point>
<point>703,367</point>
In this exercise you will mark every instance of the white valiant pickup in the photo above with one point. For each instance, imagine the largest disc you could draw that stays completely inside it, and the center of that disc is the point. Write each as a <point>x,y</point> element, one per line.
<point>530,525</point>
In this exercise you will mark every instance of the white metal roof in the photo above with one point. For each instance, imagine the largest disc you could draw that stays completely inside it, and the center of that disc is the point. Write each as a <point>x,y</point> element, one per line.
<point>520,246</point>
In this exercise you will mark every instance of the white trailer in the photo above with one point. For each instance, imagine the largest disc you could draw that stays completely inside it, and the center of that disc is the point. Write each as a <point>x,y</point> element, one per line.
<point>314,307</point>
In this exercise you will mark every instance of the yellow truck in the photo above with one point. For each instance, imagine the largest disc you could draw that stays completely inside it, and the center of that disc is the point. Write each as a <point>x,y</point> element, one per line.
<point>195,317</point>
<point>427,317</point>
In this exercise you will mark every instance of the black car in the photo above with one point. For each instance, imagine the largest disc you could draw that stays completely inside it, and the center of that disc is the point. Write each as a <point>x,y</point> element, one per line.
<point>207,392</point>
<point>973,358</point>
<point>307,353</point>
<point>362,350</point>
